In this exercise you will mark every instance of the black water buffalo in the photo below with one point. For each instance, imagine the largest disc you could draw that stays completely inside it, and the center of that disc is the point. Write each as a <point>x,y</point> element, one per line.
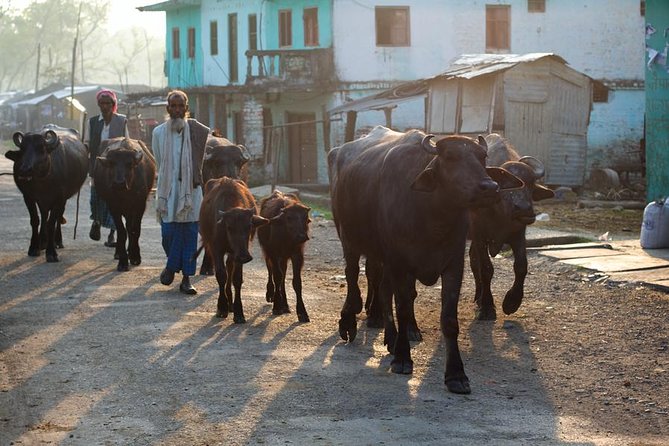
<point>283,239</point>
<point>408,209</point>
<point>124,175</point>
<point>50,166</point>
<point>222,158</point>
<point>228,219</point>
<point>504,223</point>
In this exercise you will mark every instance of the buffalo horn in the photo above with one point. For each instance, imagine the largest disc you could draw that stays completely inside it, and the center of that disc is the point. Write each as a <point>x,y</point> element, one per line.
<point>482,142</point>
<point>18,139</point>
<point>245,153</point>
<point>427,145</point>
<point>536,165</point>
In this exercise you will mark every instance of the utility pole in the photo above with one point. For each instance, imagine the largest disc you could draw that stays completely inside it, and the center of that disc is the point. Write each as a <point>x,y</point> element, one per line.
<point>74,64</point>
<point>148,54</point>
<point>39,54</point>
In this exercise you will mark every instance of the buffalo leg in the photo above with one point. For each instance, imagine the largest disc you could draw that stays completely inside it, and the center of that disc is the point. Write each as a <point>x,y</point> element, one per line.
<point>402,287</point>
<point>278,278</point>
<point>206,269</point>
<point>482,268</point>
<point>373,307</point>
<point>385,302</point>
<point>54,216</point>
<point>222,307</point>
<point>134,228</point>
<point>269,293</point>
<point>514,297</point>
<point>283,298</point>
<point>121,238</point>
<point>237,275</point>
<point>451,280</point>
<point>34,248</point>
<point>353,305</point>
<point>43,236</point>
<point>229,266</point>
<point>297,260</point>
<point>58,236</point>
<point>413,332</point>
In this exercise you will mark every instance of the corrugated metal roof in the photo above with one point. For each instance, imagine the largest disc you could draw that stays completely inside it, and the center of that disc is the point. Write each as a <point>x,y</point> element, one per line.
<point>58,94</point>
<point>469,66</point>
<point>169,5</point>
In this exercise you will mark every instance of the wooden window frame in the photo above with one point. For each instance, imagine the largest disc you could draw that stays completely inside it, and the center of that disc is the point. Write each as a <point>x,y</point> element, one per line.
<point>253,31</point>
<point>285,28</point>
<point>233,48</point>
<point>497,29</point>
<point>310,19</point>
<point>191,43</point>
<point>390,31</point>
<point>213,37</point>
<point>176,49</point>
<point>536,5</point>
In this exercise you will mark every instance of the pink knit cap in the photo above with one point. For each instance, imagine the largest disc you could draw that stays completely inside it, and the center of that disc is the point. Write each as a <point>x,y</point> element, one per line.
<point>110,94</point>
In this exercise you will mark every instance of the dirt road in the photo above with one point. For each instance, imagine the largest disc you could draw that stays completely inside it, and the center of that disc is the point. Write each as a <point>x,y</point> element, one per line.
<point>89,356</point>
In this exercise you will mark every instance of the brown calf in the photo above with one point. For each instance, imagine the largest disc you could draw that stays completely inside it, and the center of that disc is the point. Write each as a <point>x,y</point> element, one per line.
<point>281,240</point>
<point>228,219</point>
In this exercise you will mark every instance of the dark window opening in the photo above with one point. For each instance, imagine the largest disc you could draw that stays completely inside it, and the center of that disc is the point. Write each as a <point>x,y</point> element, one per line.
<point>253,32</point>
<point>498,28</point>
<point>642,8</point>
<point>213,37</point>
<point>191,43</point>
<point>536,5</point>
<point>232,47</point>
<point>311,27</point>
<point>599,92</point>
<point>285,28</point>
<point>176,51</point>
<point>392,26</point>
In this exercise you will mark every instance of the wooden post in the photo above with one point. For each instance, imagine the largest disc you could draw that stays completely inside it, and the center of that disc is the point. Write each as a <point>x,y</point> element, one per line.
<point>351,117</point>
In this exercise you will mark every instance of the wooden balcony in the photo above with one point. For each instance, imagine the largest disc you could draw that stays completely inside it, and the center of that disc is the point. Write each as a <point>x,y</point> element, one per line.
<point>290,69</point>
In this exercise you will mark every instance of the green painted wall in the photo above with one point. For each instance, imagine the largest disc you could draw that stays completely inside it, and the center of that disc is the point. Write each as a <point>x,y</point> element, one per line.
<point>657,101</point>
<point>183,72</point>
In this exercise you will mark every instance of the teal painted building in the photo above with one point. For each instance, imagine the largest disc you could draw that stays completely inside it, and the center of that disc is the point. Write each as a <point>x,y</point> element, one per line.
<point>183,46</point>
<point>657,99</point>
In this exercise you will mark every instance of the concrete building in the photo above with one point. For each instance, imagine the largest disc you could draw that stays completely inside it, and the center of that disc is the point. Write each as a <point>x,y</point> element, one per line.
<point>266,72</point>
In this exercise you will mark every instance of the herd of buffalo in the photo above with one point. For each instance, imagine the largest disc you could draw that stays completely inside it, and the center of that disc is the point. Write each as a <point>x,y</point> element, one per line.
<point>406,204</point>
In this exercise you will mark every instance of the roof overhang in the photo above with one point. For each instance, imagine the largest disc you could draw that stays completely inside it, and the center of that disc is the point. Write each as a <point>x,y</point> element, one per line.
<point>405,92</point>
<point>169,5</point>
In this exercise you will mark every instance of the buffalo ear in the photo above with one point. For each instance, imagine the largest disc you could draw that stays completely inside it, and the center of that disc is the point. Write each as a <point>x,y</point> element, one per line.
<point>51,140</point>
<point>426,181</point>
<point>13,155</point>
<point>482,142</point>
<point>505,179</point>
<point>257,220</point>
<point>540,192</point>
<point>18,139</point>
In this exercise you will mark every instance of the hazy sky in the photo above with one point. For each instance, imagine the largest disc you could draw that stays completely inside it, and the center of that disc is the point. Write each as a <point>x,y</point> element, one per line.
<point>125,15</point>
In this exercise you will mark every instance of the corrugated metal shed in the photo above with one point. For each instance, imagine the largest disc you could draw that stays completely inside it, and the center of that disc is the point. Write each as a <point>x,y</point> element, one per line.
<point>535,100</point>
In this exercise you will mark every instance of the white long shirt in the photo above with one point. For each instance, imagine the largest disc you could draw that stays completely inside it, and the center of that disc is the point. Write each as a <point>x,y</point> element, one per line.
<point>157,145</point>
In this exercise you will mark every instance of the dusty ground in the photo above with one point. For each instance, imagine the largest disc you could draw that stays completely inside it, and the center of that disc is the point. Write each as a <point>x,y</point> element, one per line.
<point>91,356</point>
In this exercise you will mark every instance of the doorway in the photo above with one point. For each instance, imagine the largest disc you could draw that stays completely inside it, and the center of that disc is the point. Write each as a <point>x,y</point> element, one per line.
<point>302,148</point>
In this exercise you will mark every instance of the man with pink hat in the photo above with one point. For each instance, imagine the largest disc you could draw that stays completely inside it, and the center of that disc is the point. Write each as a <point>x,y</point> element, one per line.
<point>108,124</point>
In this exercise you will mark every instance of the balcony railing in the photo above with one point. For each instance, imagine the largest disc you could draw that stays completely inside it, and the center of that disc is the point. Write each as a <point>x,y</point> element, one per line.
<point>290,69</point>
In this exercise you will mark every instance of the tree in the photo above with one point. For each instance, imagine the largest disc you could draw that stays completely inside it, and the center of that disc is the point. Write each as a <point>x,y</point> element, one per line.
<point>51,23</point>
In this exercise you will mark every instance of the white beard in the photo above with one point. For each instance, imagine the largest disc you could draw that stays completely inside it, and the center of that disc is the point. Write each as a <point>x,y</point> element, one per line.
<point>177,124</point>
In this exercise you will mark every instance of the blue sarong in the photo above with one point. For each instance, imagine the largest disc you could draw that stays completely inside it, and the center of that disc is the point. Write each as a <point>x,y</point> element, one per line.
<point>100,210</point>
<point>180,245</point>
